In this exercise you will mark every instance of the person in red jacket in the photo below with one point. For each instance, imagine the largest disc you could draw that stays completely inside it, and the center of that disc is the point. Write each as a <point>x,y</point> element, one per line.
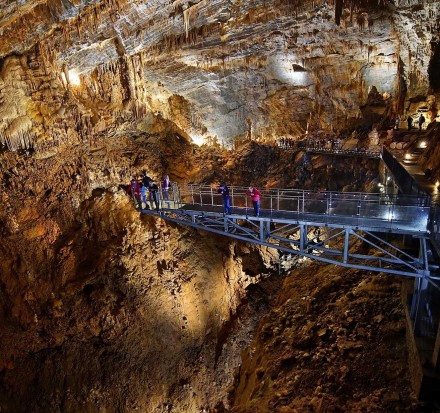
<point>135,192</point>
<point>254,193</point>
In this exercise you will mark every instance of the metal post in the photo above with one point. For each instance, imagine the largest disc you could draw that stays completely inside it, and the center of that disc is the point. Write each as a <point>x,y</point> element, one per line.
<point>418,302</point>
<point>278,199</point>
<point>271,206</point>
<point>268,229</point>
<point>192,194</point>
<point>302,237</point>
<point>225,223</point>
<point>392,215</point>
<point>346,245</point>
<point>212,197</point>
<point>261,230</point>
<point>232,196</point>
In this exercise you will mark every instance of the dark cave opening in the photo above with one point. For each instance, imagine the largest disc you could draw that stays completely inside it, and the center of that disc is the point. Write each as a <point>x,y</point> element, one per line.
<point>434,69</point>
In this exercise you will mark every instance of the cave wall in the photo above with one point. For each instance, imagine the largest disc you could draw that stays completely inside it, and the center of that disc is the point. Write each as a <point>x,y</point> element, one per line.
<point>106,310</point>
<point>214,69</point>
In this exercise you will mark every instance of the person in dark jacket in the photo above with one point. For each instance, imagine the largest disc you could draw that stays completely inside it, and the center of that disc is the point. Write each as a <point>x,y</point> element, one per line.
<point>409,120</point>
<point>421,121</point>
<point>145,178</point>
<point>224,190</point>
<point>255,194</point>
<point>153,188</point>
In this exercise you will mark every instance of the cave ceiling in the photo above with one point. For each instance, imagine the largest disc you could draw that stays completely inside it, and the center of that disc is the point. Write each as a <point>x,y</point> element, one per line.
<point>210,68</point>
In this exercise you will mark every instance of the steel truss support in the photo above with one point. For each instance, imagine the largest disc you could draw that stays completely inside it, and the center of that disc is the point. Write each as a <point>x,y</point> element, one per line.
<point>330,244</point>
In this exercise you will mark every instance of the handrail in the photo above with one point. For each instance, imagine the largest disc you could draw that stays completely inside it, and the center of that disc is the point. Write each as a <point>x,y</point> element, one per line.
<point>279,193</point>
<point>373,210</point>
<point>404,179</point>
<point>332,151</point>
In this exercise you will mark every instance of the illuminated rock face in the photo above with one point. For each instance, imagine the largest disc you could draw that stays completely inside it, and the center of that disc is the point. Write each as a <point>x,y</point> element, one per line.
<point>101,307</point>
<point>213,68</point>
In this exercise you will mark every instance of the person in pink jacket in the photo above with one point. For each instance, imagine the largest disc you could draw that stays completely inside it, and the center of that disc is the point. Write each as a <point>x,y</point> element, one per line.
<point>254,193</point>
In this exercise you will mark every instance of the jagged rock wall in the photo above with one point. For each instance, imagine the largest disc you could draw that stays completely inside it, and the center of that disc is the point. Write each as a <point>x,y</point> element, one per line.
<point>101,307</point>
<point>334,341</point>
<point>214,69</point>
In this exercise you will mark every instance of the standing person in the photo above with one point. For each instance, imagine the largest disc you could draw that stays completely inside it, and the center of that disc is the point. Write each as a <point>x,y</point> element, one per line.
<point>224,190</point>
<point>254,193</point>
<point>135,189</point>
<point>166,188</point>
<point>144,194</point>
<point>145,178</point>
<point>153,188</point>
<point>397,123</point>
<point>421,121</point>
<point>409,119</point>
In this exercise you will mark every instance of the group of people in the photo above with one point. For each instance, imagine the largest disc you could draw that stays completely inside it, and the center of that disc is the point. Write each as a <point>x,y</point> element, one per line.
<point>286,142</point>
<point>421,121</point>
<point>324,143</point>
<point>143,184</point>
<point>252,192</point>
<point>410,122</point>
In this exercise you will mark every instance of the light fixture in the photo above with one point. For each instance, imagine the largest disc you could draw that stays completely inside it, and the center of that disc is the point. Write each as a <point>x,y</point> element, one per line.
<point>407,156</point>
<point>74,78</point>
<point>423,144</point>
<point>198,140</point>
<point>437,183</point>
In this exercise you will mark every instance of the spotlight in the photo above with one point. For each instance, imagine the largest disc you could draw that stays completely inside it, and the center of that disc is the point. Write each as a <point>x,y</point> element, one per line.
<point>407,156</point>
<point>74,78</point>
<point>423,144</point>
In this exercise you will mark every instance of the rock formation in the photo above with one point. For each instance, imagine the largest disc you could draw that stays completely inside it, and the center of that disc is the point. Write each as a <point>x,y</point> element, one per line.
<point>72,71</point>
<point>104,310</point>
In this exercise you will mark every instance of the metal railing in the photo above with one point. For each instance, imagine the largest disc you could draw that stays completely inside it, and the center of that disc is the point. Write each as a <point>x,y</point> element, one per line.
<point>372,210</point>
<point>403,178</point>
<point>335,149</point>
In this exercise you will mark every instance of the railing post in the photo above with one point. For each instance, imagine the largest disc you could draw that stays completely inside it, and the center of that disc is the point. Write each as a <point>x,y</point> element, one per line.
<point>192,194</point>
<point>303,201</point>
<point>212,198</point>
<point>232,196</point>
<point>278,199</point>
<point>261,230</point>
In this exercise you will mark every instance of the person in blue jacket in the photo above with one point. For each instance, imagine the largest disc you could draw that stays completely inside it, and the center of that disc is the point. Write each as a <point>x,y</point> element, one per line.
<point>224,190</point>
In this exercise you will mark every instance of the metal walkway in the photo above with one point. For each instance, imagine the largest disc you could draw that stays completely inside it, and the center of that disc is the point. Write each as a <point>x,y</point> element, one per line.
<point>325,226</point>
<point>339,150</point>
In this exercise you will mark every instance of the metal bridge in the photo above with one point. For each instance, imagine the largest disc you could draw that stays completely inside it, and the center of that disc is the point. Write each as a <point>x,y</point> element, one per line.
<point>325,226</point>
<point>390,233</point>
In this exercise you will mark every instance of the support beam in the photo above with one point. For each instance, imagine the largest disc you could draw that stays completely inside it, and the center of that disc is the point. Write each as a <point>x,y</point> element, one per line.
<point>346,245</point>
